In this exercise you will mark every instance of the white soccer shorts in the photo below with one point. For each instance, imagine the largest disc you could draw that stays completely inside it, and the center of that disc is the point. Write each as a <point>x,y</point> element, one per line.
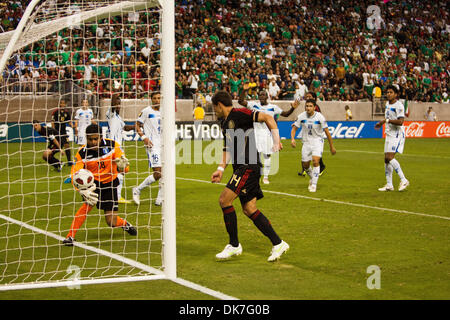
<point>312,149</point>
<point>394,144</point>
<point>154,157</point>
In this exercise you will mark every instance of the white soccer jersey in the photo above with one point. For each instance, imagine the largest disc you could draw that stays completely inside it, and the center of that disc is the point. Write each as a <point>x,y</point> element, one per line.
<point>115,126</point>
<point>84,119</point>
<point>312,127</point>
<point>393,112</point>
<point>151,121</point>
<point>263,135</point>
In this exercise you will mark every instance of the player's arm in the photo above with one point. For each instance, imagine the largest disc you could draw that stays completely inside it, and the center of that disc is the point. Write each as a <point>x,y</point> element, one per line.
<point>293,131</point>
<point>330,141</point>
<point>75,126</point>
<point>129,127</point>
<point>140,132</point>
<point>397,122</point>
<point>242,97</point>
<point>272,125</point>
<point>294,106</point>
<point>217,175</point>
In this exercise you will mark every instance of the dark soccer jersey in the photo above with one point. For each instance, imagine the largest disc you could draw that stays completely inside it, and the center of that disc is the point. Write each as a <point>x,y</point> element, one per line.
<point>50,134</point>
<point>239,137</point>
<point>61,117</point>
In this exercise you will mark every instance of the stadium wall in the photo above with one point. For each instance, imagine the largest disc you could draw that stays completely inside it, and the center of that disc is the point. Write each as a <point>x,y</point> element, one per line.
<point>25,108</point>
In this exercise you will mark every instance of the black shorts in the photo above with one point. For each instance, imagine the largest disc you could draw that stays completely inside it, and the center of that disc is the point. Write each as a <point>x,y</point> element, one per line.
<point>107,195</point>
<point>245,183</point>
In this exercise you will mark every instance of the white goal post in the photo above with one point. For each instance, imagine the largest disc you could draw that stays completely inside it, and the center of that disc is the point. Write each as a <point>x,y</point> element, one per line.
<point>31,230</point>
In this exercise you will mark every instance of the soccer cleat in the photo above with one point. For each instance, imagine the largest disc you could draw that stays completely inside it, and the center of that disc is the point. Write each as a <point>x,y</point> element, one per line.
<point>132,231</point>
<point>403,185</point>
<point>68,180</point>
<point>136,196</point>
<point>229,251</point>
<point>266,181</point>
<point>158,202</point>
<point>69,163</point>
<point>124,201</point>
<point>312,187</point>
<point>68,242</point>
<point>386,188</point>
<point>277,251</point>
<point>59,167</point>
<point>303,173</point>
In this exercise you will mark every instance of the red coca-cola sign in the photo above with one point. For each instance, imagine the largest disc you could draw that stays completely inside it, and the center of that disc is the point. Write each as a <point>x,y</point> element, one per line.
<point>414,129</point>
<point>426,129</point>
<point>443,130</point>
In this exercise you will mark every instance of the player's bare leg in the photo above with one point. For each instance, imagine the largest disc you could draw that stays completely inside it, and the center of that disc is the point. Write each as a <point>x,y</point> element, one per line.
<point>113,220</point>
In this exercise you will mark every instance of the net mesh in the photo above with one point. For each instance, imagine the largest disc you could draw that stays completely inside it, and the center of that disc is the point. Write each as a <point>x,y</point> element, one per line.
<point>71,53</point>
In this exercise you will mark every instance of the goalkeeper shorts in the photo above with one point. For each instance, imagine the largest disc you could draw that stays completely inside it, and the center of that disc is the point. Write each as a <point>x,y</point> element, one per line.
<point>107,195</point>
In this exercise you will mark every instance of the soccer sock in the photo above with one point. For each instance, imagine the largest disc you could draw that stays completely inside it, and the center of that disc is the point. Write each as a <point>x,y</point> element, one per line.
<point>263,224</point>
<point>79,219</point>
<point>68,154</point>
<point>148,181</point>
<point>119,187</point>
<point>53,161</point>
<point>322,165</point>
<point>388,172</point>
<point>309,172</point>
<point>267,163</point>
<point>160,192</point>
<point>315,174</point>
<point>229,216</point>
<point>396,165</point>
<point>120,222</point>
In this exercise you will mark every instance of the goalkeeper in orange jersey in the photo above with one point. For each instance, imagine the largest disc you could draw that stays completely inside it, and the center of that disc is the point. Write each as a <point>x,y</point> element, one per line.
<point>105,159</point>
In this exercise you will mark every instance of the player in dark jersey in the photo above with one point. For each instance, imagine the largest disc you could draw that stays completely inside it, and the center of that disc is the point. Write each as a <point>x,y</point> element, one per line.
<point>54,144</point>
<point>105,159</point>
<point>240,150</point>
<point>61,118</point>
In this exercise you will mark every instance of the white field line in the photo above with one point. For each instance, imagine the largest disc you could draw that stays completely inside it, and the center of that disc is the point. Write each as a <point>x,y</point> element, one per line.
<point>298,150</point>
<point>158,274</point>
<point>334,201</point>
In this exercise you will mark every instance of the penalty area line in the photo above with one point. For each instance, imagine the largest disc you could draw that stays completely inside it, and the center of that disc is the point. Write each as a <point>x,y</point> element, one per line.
<point>334,201</point>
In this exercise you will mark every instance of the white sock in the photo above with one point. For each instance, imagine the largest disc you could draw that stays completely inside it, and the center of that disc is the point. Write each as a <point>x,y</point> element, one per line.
<point>315,174</point>
<point>267,162</point>
<point>388,169</point>
<point>160,192</point>
<point>119,187</point>
<point>396,165</point>
<point>148,181</point>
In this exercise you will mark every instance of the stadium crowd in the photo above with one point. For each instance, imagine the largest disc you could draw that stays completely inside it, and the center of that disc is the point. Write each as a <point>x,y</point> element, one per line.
<point>339,50</point>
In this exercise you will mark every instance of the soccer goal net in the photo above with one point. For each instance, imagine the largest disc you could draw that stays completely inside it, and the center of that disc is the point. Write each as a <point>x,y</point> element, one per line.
<point>61,68</point>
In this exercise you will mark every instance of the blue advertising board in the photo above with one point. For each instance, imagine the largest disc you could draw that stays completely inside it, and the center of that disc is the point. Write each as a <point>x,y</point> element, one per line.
<point>23,132</point>
<point>339,129</point>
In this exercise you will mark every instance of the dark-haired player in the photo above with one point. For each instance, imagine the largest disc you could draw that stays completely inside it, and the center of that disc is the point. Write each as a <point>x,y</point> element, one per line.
<point>105,159</point>
<point>240,150</point>
<point>395,138</point>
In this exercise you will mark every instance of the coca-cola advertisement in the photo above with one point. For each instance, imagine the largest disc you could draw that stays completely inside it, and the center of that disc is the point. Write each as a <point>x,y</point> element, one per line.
<point>426,129</point>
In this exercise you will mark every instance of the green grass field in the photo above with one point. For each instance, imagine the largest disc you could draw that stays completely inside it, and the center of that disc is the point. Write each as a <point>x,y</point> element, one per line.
<point>334,234</point>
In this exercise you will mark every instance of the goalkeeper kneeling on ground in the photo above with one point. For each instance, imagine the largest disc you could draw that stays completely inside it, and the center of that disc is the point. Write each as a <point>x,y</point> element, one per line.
<point>105,160</point>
